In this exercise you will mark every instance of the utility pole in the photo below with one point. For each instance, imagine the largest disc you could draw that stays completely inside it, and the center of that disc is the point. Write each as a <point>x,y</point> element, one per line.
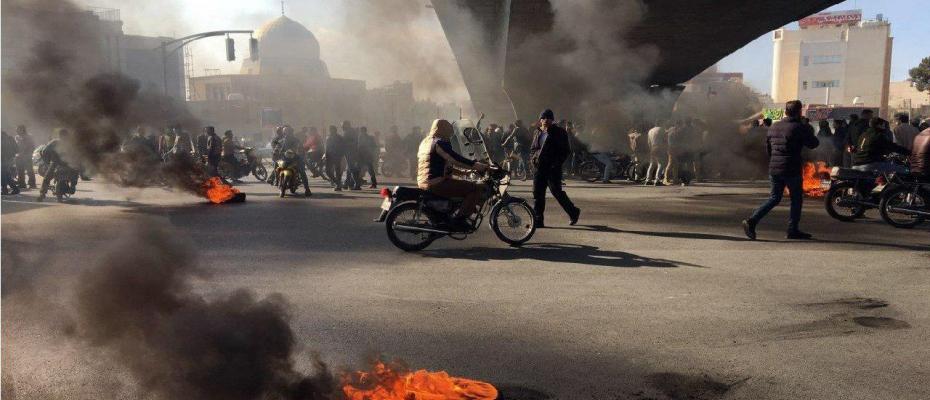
<point>180,43</point>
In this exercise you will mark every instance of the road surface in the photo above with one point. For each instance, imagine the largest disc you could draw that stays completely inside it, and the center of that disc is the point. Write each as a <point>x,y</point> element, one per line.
<point>654,295</point>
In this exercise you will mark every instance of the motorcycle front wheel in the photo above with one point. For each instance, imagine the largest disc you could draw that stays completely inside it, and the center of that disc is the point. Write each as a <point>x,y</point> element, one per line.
<point>513,221</point>
<point>406,214</point>
<point>840,202</point>
<point>259,172</point>
<point>901,198</point>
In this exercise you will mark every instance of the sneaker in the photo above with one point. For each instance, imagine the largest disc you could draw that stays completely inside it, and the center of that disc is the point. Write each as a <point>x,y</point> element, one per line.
<point>750,229</point>
<point>373,187</point>
<point>307,193</point>
<point>798,235</point>
<point>574,216</point>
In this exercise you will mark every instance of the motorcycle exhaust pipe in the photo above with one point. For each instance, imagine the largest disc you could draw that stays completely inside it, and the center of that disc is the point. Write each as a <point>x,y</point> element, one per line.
<point>909,211</point>
<point>408,228</point>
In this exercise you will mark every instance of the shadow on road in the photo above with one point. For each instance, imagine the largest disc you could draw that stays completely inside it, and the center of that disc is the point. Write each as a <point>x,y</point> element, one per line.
<point>687,235</point>
<point>559,253</point>
<point>587,228</point>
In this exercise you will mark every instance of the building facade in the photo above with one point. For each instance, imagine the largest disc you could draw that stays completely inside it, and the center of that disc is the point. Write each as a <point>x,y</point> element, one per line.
<point>835,58</point>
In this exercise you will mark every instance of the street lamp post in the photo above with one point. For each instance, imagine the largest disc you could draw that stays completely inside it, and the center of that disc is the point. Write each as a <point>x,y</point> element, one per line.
<point>180,43</point>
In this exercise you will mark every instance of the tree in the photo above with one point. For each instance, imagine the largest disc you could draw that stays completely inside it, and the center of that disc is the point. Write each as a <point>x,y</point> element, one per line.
<point>920,75</point>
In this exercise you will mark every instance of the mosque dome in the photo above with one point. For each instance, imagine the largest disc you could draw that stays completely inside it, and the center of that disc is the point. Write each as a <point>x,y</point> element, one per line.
<point>286,47</point>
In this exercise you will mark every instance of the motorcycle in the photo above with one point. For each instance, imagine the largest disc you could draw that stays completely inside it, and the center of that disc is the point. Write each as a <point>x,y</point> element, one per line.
<point>906,203</point>
<point>415,218</point>
<point>592,169</point>
<point>248,163</point>
<point>316,165</point>
<point>392,165</point>
<point>844,201</point>
<point>63,181</point>
<point>518,169</point>
<point>288,176</point>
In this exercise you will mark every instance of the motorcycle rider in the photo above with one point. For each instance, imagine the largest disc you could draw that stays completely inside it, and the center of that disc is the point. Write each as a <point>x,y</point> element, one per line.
<point>872,147</point>
<point>25,145</point>
<point>230,147</point>
<point>292,143</point>
<point>435,162</point>
<point>314,149</point>
<point>277,151</point>
<point>53,156</point>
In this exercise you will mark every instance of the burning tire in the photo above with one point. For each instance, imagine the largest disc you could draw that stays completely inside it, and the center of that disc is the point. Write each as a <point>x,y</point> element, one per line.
<point>513,222</point>
<point>407,214</point>
<point>840,203</point>
<point>899,199</point>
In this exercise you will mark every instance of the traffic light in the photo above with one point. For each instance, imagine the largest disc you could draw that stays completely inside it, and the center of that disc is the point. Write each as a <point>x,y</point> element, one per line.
<point>230,49</point>
<point>253,49</point>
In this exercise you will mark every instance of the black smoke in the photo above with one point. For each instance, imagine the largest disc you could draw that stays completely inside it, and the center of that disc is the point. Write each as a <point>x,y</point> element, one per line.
<point>68,81</point>
<point>138,305</point>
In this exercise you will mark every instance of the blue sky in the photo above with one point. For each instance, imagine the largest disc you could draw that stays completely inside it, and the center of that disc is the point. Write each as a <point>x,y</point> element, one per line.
<point>910,27</point>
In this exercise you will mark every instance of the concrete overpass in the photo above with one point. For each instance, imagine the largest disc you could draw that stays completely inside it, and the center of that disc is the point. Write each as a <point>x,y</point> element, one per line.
<point>690,36</point>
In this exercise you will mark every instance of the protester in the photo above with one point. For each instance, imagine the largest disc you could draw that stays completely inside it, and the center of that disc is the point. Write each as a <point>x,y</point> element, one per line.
<point>658,150</point>
<point>350,139</point>
<point>837,142</point>
<point>784,143</point>
<point>214,151</point>
<point>334,155</point>
<point>673,151</point>
<point>313,147</point>
<point>368,152</point>
<point>412,147</point>
<point>904,132</point>
<point>25,145</point>
<point>920,153</point>
<point>858,124</point>
<point>201,146</point>
<point>56,155</point>
<point>7,160</point>
<point>549,151</point>
<point>277,151</point>
<point>824,153</point>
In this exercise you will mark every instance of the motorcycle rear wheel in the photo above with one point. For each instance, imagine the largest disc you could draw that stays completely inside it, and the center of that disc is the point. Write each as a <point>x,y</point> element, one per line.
<point>513,221</point>
<point>406,214</point>
<point>897,197</point>
<point>843,213</point>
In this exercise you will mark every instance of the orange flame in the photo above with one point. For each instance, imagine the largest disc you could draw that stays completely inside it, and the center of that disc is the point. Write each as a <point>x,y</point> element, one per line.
<point>814,174</point>
<point>386,383</point>
<point>217,191</point>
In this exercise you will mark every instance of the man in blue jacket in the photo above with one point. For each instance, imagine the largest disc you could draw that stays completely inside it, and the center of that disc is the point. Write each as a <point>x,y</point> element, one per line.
<point>784,142</point>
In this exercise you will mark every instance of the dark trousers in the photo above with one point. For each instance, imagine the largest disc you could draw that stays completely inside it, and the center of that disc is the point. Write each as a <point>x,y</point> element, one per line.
<point>7,176</point>
<point>334,168</point>
<point>213,163</point>
<point>24,168</point>
<point>302,172</point>
<point>368,164</point>
<point>550,176</point>
<point>795,190</point>
<point>353,178</point>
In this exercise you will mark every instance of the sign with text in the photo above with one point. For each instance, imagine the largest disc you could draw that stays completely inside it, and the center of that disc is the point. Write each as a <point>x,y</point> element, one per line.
<point>832,18</point>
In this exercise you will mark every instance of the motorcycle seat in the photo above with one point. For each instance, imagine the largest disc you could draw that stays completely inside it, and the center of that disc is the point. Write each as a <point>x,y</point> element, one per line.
<point>849,173</point>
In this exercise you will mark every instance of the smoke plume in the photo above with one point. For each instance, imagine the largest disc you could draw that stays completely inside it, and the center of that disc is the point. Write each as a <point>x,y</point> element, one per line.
<point>139,306</point>
<point>393,40</point>
<point>59,82</point>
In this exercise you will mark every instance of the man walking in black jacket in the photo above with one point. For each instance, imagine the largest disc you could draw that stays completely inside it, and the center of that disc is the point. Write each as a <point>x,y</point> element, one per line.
<point>784,142</point>
<point>549,151</point>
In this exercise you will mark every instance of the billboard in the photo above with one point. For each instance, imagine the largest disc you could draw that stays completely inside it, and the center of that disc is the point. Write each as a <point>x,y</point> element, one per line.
<point>832,18</point>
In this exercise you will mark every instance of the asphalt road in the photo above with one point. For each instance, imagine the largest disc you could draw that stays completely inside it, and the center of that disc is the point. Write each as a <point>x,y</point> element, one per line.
<point>654,295</point>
